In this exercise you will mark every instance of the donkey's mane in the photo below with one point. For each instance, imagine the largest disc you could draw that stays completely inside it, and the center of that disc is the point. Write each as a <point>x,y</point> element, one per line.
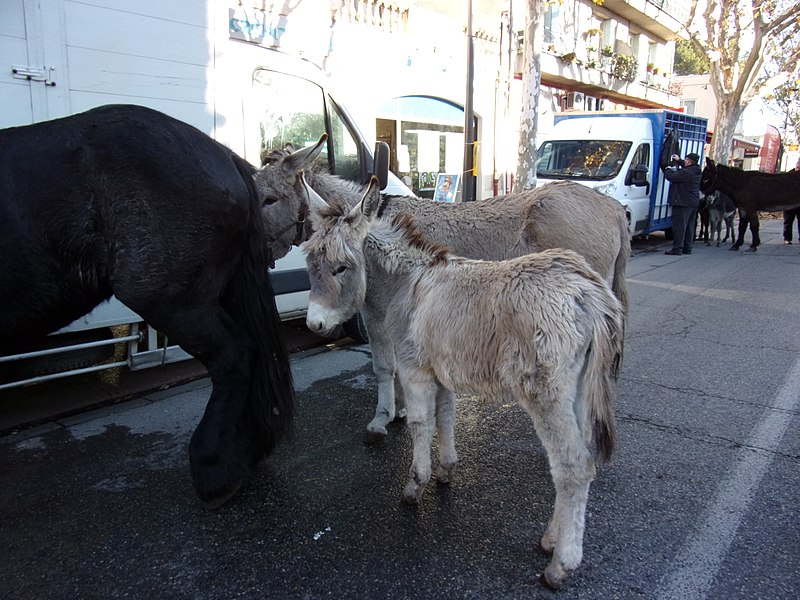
<point>403,223</point>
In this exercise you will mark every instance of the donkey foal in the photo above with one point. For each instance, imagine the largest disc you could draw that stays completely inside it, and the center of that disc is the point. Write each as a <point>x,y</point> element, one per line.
<point>544,329</point>
<point>721,209</point>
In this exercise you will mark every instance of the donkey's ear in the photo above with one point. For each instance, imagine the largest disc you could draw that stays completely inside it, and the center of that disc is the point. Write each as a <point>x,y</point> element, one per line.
<point>303,157</point>
<point>372,198</point>
<point>315,202</point>
<point>710,163</point>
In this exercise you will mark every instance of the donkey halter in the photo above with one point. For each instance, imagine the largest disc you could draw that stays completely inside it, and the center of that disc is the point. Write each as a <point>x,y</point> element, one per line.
<point>302,213</point>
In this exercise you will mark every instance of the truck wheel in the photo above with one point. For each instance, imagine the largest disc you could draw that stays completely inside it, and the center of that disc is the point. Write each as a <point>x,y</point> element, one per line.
<point>356,329</point>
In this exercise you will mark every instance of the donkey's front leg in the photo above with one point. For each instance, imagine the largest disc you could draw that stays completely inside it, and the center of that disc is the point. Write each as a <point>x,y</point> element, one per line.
<point>420,391</point>
<point>383,365</point>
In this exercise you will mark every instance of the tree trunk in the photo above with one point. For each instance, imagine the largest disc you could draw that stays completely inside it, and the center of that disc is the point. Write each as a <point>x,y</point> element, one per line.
<point>729,110</point>
<point>531,83</point>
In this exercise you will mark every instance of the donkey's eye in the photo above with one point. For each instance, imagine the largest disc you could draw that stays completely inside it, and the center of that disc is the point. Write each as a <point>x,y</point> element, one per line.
<point>268,200</point>
<point>340,270</point>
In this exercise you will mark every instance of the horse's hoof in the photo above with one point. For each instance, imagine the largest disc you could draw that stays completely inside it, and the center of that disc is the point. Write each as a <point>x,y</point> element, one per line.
<point>374,437</point>
<point>214,501</point>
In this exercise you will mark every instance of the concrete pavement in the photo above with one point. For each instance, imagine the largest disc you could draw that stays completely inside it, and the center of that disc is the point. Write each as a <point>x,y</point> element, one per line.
<point>700,500</point>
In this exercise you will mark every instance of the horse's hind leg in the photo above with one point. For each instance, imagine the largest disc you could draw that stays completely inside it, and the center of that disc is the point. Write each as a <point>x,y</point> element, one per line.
<point>229,441</point>
<point>445,428</point>
<point>572,469</point>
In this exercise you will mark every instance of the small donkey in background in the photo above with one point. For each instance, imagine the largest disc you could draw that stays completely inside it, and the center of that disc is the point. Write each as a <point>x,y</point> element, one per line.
<point>720,209</point>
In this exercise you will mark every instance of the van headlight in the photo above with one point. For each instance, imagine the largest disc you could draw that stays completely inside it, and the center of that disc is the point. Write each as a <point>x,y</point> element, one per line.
<point>607,188</point>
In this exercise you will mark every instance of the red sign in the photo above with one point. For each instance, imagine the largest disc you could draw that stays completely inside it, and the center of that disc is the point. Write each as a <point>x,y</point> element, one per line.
<point>770,150</point>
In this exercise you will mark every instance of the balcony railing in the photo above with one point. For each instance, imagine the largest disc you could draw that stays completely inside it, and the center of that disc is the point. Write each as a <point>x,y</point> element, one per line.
<point>677,9</point>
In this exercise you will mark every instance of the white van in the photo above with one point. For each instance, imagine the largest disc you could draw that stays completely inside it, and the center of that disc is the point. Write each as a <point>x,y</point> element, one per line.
<point>193,63</point>
<point>620,154</point>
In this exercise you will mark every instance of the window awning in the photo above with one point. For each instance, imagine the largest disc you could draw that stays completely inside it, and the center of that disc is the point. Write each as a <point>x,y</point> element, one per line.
<point>750,148</point>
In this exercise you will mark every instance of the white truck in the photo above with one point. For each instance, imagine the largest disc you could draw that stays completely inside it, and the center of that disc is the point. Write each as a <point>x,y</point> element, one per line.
<point>620,154</point>
<point>215,64</point>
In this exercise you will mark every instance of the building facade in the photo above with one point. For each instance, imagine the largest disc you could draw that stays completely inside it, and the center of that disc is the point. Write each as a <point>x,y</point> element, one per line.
<point>401,67</point>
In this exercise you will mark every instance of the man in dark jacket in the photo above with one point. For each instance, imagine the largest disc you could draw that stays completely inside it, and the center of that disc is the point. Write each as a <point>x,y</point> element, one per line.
<point>684,198</point>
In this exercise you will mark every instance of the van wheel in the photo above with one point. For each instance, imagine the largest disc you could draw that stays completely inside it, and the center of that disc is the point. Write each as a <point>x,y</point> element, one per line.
<point>356,329</point>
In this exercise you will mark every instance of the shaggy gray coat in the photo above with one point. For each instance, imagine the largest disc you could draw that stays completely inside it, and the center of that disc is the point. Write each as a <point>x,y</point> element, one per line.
<point>543,329</point>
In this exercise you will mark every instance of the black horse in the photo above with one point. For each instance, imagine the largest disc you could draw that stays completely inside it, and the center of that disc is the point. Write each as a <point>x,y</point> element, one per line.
<point>125,200</point>
<point>751,191</point>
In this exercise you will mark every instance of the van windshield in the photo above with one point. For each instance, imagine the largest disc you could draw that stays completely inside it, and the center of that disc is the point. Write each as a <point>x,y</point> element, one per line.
<point>581,159</point>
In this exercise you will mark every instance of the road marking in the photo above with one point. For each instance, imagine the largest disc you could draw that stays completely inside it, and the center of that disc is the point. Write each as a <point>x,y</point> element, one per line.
<point>694,569</point>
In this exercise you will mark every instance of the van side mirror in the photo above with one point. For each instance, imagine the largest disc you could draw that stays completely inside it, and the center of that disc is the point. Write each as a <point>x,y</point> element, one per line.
<point>380,164</point>
<point>637,176</point>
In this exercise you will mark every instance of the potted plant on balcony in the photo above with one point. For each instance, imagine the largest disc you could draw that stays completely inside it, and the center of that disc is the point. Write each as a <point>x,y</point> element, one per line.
<point>625,67</point>
<point>606,56</point>
<point>568,57</point>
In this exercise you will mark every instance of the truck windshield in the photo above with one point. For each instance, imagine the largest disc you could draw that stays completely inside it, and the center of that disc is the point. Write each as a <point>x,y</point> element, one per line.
<point>581,159</point>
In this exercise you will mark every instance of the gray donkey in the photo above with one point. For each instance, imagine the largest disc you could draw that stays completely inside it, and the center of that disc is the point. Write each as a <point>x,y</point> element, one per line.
<point>543,329</point>
<point>558,215</point>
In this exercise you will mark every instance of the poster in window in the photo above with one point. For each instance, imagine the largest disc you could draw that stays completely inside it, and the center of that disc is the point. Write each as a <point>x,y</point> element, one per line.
<point>446,188</point>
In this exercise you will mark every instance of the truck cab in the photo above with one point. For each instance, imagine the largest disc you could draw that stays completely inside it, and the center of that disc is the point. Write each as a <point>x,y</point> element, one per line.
<point>620,155</point>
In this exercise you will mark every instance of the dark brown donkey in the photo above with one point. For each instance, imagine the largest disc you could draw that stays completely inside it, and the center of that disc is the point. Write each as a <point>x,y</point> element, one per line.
<point>751,191</point>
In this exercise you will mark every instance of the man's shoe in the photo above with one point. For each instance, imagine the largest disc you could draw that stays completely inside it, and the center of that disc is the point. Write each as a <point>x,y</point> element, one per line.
<point>787,242</point>
<point>672,253</point>
<point>687,251</point>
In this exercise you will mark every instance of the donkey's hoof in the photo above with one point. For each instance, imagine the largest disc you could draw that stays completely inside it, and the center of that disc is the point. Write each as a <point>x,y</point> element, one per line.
<point>751,249</point>
<point>444,474</point>
<point>554,576</point>
<point>412,494</point>
<point>547,544</point>
<point>374,437</point>
<point>734,248</point>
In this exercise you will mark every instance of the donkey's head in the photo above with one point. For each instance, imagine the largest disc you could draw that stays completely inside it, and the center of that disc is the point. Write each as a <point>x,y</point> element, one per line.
<point>708,178</point>
<point>335,256</point>
<point>284,201</point>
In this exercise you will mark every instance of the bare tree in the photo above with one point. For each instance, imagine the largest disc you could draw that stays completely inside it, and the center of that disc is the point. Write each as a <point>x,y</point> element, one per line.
<point>744,41</point>
<point>531,83</point>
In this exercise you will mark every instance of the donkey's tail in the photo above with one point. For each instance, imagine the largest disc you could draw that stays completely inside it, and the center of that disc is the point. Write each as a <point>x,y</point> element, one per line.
<point>618,284</point>
<point>250,300</point>
<point>602,367</point>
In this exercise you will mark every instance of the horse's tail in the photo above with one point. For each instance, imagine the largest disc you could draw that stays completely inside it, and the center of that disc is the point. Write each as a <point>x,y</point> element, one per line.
<point>602,366</point>
<point>618,283</point>
<point>250,300</point>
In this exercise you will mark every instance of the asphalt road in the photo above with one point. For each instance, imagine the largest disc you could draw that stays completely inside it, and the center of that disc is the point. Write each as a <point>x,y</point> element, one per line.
<point>700,500</point>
